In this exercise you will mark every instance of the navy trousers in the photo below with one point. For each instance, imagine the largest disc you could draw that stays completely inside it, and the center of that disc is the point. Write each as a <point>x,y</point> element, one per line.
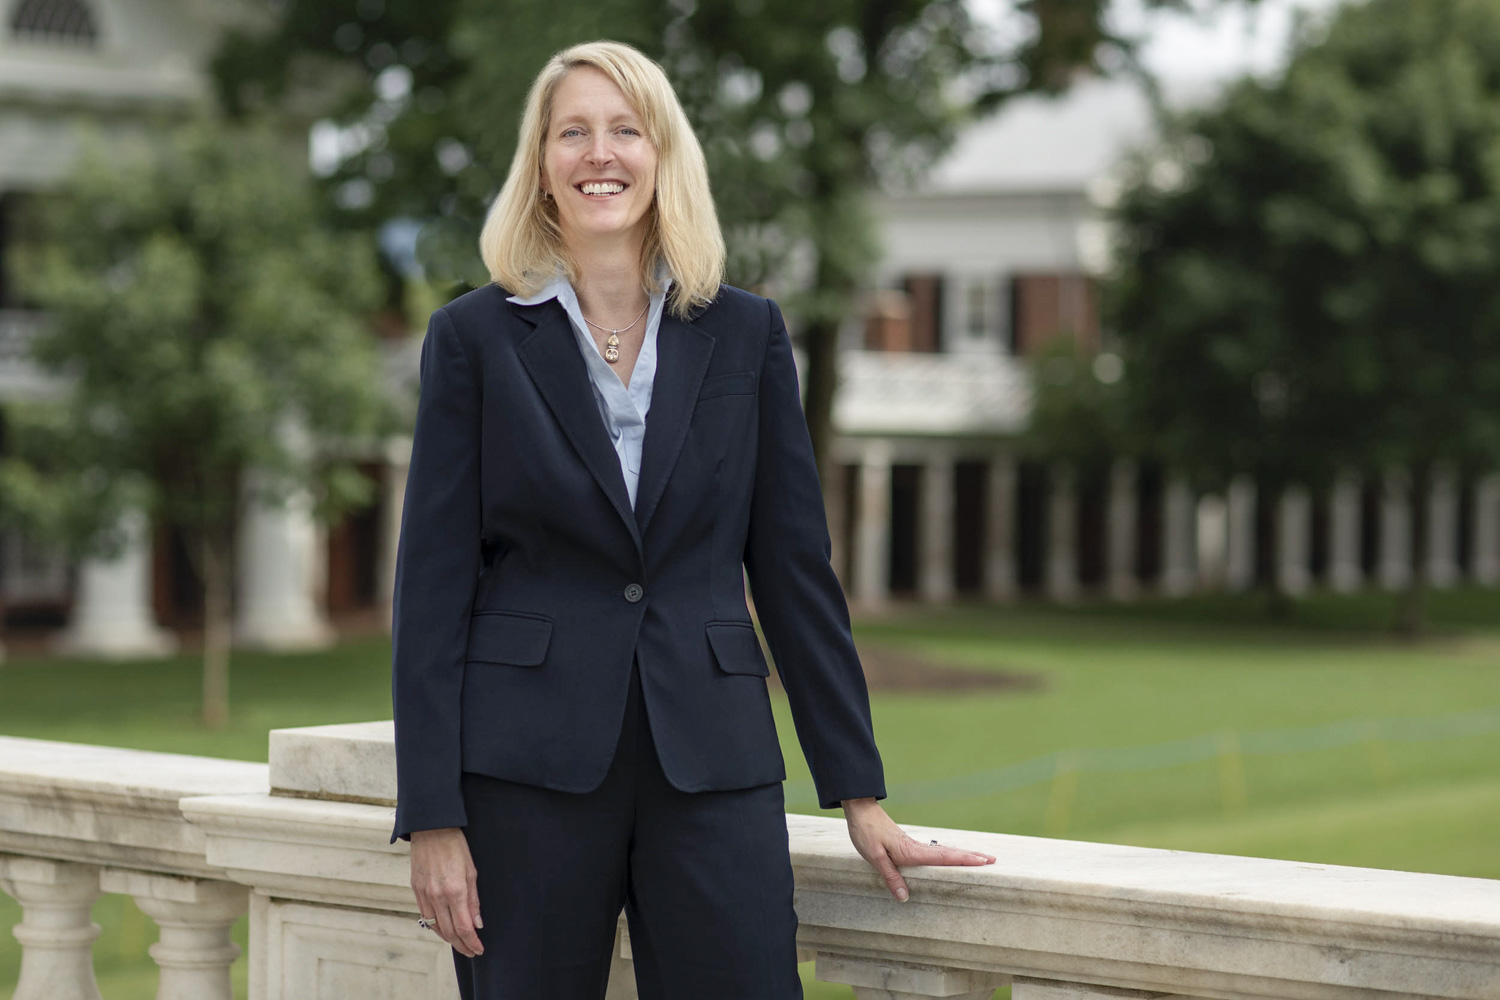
<point>705,879</point>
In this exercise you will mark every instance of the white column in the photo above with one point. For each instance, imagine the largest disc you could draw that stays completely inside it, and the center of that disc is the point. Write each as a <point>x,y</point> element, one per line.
<point>1344,571</point>
<point>1000,529</point>
<point>1211,540</point>
<point>112,616</point>
<point>1178,528</point>
<point>1062,534</point>
<point>397,463</point>
<point>935,526</point>
<point>55,933</point>
<point>1442,527</point>
<point>193,952</point>
<point>282,565</point>
<point>1395,530</point>
<point>1485,536</point>
<point>879,979</point>
<point>1293,539</point>
<point>872,555</point>
<point>1122,530</point>
<point>1239,543</point>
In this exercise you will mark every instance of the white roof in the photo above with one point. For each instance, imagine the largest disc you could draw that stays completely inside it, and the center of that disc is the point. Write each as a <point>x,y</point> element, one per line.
<point>1041,143</point>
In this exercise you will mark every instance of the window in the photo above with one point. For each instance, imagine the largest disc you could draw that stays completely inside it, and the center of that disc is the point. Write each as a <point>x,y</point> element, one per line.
<point>67,21</point>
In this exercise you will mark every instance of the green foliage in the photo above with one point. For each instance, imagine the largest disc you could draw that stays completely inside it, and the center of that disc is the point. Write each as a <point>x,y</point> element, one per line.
<point>195,306</point>
<point>1079,407</point>
<point>1308,267</point>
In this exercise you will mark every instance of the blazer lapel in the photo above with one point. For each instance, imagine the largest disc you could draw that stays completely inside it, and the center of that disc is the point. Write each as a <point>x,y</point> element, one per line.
<point>682,353</point>
<point>550,355</point>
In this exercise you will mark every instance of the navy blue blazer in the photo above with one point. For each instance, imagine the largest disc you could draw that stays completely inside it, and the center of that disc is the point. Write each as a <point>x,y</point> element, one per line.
<point>525,583</point>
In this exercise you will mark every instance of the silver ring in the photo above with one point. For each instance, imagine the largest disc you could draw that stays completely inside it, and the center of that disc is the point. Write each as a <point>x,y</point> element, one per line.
<point>933,843</point>
<point>427,923</point>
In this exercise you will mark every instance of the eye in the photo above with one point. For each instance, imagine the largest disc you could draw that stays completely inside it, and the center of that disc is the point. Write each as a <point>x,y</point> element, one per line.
<point>628,130</point>
<point>570,132</point>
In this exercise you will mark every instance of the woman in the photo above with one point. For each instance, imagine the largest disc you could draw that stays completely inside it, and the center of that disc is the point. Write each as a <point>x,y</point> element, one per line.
<point>582,720</point>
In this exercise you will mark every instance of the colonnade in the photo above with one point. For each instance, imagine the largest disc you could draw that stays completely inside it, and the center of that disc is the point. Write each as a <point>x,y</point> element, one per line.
<point>1148,529</point>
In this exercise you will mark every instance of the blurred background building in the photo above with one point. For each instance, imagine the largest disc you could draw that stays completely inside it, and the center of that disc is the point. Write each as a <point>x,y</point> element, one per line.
<point>996,253</point>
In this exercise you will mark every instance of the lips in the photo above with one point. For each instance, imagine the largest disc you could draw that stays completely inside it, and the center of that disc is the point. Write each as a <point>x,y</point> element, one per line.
<point>601,189</point>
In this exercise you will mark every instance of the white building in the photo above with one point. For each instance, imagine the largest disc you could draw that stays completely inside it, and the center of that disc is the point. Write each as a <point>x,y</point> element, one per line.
<point>996,251</point>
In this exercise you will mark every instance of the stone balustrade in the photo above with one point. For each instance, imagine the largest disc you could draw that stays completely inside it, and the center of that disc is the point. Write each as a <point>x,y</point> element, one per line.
<point>304,843</point>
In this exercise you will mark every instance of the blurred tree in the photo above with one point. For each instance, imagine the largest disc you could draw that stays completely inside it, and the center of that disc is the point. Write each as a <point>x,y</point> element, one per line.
<point>802,108</point>
<point>1308,269</point>
<point>203,322</point>
<point>1079,407</point>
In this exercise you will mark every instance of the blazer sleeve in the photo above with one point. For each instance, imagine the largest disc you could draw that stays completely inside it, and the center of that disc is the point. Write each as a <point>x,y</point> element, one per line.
<point>798,599</point>
<point>438,560</point>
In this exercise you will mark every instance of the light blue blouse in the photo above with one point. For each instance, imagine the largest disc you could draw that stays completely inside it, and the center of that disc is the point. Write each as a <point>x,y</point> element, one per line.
<point>622,409</point>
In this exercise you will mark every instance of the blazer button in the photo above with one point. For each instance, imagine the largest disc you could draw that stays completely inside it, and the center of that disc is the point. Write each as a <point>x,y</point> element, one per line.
<point>634,593</point>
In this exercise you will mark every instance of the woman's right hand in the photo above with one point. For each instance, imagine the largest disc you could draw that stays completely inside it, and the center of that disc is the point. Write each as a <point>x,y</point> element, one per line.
<point>446,885</point>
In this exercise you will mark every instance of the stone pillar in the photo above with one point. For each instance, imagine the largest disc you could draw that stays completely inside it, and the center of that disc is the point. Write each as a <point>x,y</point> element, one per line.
<point>1293,539</point>
<point>1000,529</point>
<point>935,528</point>
<point>1062,534</point>
<point>1239,541</point>
<point>194,916</point>
<point>55,933</point>
<point>1485,537</point>
<point>1344,573</point>
<point>1179,525</point>
<point>1122,530</point>
<point>879,979</point>
<point>282,563</point>
<point>1395,530</point>
<point>1442,527</point>
<point>872,554</point>
<point>397,463</point>
<point>112,617</point>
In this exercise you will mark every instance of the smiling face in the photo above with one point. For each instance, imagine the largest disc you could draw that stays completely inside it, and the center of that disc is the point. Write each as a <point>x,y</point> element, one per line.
<point>597,161</point>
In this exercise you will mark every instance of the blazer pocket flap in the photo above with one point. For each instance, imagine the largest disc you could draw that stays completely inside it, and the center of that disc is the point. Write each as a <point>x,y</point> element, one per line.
<point>505,637</point>
<point>730,383</point>
<point>736,649</point>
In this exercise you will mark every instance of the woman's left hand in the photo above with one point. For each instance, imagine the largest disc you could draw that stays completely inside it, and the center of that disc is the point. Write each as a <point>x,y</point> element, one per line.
<point>887,848</point>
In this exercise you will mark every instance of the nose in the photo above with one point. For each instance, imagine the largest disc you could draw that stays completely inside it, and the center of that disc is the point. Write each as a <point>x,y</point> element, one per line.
<point>599,149</point>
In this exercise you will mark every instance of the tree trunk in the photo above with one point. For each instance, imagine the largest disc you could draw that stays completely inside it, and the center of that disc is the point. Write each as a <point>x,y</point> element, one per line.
<point>1411,614</point>
<point>820,343</point>
<point>216,624</point>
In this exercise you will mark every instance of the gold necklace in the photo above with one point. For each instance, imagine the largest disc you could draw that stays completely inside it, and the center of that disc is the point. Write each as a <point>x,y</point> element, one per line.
<point>612,345</point>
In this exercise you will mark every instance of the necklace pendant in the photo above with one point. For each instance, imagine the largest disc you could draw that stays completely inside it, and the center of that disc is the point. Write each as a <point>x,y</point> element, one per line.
<point>612,349</point>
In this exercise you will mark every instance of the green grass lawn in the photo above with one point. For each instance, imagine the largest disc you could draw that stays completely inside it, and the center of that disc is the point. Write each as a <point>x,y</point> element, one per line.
<point>1197,725</point>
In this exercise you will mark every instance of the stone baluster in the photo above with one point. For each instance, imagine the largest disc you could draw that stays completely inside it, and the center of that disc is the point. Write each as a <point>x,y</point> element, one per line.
<point>877,979</point>
<point>621,985</point>
<point>55,933</point>
<point>195,916</point>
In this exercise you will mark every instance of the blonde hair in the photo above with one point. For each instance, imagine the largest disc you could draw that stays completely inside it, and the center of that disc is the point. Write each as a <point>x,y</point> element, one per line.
<point>521,242</point>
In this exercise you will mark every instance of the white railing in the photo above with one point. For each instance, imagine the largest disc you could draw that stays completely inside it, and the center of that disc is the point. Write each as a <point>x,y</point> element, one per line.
<point>304,843</point>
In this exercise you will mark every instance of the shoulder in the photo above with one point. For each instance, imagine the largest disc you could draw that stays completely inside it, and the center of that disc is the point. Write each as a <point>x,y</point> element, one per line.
<point>480,305</point>
<point>735,309</point>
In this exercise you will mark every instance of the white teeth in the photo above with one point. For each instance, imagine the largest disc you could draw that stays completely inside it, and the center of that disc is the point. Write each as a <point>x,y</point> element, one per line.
<point>602,187</point>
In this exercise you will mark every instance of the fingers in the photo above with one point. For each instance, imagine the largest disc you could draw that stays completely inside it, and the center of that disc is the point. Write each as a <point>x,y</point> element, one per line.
<point>912,852</point>
<point>445,884</point>
<point>891,876</point>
